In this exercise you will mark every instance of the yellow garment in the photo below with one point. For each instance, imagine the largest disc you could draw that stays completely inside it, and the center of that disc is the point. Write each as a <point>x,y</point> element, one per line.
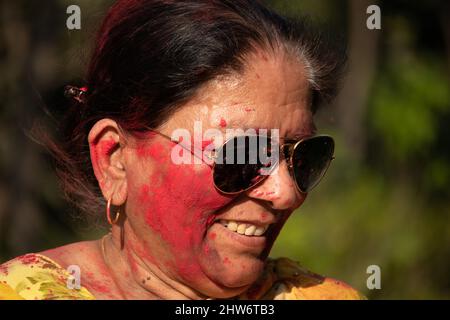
<point>36,277</point>
<point>284,279</point>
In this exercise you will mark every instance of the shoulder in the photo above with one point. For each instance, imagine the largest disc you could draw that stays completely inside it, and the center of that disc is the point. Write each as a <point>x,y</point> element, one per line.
<point>37,277</point>
<point>94,275</point>
<point>285,279</point>
<point>73,254</point>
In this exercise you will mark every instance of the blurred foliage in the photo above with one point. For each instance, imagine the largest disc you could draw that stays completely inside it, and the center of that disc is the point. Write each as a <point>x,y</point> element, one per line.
<point>388,206</point>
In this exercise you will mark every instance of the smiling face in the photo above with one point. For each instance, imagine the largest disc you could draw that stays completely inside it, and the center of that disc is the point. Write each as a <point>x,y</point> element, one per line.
<point>184,225</point>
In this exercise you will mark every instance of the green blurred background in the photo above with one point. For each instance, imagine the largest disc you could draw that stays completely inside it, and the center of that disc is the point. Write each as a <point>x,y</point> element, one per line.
<point>385,200</point>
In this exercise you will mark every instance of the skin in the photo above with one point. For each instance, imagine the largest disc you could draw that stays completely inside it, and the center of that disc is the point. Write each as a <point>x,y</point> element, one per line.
<point>167,244</point>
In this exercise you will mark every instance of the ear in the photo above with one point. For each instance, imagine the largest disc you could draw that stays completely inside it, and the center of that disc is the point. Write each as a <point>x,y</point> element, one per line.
<point>106,145</point>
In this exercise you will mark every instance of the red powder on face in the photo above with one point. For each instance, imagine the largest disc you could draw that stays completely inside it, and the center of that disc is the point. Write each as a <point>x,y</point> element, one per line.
<point>248,109</point>
<point>226,260</point>
<point>206,143</point>
<point>179,202</point>
<point>156,152</point>
<point>144,194</point>
<point>212,235</point>
<point>223,123</point>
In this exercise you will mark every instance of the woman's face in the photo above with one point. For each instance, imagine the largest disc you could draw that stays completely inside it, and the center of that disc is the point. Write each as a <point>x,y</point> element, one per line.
<point>175,210</point>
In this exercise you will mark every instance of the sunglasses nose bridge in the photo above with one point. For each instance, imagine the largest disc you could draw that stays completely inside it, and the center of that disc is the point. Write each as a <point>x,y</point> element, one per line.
<point>287,150</point>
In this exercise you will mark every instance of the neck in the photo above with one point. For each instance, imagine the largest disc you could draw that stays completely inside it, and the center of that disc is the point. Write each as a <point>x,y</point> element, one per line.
<point>135,276</point>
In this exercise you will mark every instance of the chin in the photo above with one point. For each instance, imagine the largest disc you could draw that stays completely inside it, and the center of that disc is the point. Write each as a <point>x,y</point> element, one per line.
<point>236,277</point>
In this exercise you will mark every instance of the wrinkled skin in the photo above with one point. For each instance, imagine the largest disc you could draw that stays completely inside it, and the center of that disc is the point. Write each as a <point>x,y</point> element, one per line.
<point>167,243</point>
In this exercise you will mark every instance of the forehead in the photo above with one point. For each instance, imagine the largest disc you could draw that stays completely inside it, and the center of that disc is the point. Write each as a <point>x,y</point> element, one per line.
<point>272,93</point>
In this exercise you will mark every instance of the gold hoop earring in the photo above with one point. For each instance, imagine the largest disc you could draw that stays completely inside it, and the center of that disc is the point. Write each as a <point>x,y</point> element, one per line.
<point>108,213</point>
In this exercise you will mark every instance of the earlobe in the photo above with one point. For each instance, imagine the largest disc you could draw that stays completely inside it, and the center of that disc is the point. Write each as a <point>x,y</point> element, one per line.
<point>107,160</point>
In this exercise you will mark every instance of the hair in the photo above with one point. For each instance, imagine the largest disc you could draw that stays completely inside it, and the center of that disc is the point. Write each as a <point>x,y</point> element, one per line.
<point>152,56</point>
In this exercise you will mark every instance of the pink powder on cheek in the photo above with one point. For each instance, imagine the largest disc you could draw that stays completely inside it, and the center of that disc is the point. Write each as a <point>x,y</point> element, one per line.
<point>144,194</point>
<point>181,208</point>
<point>156,151</point>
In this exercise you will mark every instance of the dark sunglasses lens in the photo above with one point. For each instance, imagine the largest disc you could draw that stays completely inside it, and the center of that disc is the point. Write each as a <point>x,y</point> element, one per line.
<point>310,161</point>
<point>239,163</point>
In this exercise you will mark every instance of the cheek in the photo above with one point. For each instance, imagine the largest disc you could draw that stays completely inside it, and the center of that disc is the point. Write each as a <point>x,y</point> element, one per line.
<point>178,203</point>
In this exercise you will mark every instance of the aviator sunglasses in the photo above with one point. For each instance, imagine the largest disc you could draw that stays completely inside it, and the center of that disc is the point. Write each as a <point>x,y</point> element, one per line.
<point>244,161</point>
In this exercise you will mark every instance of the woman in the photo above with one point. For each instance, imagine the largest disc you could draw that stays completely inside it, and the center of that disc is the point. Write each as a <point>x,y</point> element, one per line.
<point>190,229</point>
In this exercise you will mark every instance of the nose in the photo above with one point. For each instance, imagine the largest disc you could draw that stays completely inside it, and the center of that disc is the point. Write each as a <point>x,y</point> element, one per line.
<point>279,190</point>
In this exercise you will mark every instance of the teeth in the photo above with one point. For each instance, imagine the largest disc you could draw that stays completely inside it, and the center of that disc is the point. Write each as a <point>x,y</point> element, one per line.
<point>244,228</point>
<point>250,230</point>
<point>259,231</point>
<point>232,226</point>
<point>241,228</point>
